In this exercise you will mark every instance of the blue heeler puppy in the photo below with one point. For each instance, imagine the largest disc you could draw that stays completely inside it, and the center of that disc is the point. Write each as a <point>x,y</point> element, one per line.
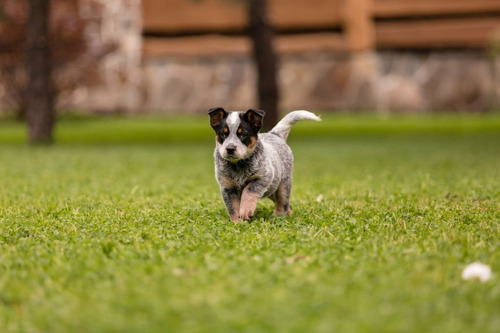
<point>250,166</point>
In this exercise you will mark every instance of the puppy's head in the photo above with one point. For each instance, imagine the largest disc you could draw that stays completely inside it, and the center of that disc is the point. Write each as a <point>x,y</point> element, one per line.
<point>236,132</point>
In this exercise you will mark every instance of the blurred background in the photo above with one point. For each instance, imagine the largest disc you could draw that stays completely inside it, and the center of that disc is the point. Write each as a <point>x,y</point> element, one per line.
<point>185,56</point>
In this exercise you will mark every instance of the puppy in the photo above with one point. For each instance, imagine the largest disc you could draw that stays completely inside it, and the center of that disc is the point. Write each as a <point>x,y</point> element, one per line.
<point>249,165</point>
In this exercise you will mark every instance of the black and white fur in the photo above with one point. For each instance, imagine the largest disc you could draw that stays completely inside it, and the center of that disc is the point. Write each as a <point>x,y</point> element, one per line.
<point>250,166</point>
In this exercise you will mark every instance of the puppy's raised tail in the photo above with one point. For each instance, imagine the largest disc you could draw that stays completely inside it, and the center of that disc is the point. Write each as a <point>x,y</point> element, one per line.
<point>283,127</point>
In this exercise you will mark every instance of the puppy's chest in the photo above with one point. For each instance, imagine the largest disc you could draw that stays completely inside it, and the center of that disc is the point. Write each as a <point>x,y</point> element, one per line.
<point>230,177</point>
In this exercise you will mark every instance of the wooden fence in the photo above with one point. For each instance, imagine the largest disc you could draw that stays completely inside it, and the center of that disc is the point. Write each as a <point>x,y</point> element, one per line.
<point>186,27</point>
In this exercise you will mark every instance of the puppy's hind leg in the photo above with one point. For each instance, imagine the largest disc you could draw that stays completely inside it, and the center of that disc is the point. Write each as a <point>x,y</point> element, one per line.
<point>282,200</point>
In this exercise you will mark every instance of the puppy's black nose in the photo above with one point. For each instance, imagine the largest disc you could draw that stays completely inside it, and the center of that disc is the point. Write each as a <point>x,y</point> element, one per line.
<point>230,149</point>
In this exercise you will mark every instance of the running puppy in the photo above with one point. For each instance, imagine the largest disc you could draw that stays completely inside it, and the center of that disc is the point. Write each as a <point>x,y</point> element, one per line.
<point>250,166</point>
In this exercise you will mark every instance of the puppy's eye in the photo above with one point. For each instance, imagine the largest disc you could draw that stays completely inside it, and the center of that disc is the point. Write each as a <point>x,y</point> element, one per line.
<point>243,136</point>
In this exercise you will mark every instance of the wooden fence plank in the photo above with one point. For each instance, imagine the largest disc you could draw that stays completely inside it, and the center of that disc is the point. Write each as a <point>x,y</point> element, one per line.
<point>460,32</point>
<point>409,8</point>
<point>177,16</point>
<point>217,45</point>
<point>296,14</point>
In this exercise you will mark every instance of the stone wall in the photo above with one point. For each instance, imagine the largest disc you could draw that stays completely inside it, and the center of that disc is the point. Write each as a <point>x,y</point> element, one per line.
<point>386,81</point>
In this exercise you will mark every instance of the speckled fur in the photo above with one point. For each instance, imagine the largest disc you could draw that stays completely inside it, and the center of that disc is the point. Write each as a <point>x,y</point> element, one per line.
<point>263,168</point>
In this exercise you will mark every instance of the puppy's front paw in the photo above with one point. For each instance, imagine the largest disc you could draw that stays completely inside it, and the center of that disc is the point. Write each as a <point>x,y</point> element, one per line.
<point>246,213</point>
<point>236,219</point>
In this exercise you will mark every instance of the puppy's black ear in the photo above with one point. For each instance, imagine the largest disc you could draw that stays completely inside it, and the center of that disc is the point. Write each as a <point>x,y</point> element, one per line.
<point>255,117</point>
<point>216,116</point>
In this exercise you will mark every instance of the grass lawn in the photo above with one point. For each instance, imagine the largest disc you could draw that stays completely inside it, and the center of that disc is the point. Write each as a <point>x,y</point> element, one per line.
<point>120,228</point>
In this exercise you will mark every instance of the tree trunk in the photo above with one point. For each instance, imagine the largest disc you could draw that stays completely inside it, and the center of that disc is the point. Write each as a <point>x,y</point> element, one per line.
<point>39,90</point>
<point>261,34</point>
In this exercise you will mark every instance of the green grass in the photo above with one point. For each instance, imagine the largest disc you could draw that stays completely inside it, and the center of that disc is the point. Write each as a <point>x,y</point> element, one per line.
<point>120,228</point>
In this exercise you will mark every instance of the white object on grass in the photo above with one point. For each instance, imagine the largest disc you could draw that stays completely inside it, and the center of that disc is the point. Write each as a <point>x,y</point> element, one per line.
<point>477,270</point>
<point>319,198</point>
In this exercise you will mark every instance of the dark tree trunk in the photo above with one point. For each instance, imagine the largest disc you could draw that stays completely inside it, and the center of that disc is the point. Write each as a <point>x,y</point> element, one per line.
<point>261,33</point>
<point>39,90</point>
